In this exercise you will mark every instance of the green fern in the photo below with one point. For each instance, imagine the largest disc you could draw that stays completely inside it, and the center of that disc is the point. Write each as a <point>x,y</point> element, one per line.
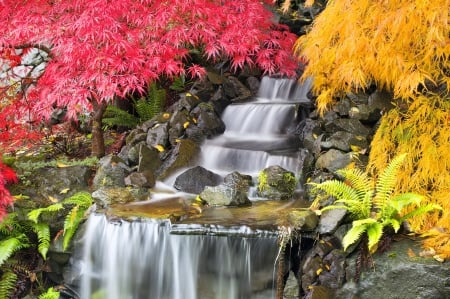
<point>372,208</point>
<point>11,245</point>
<point>82,201</point>
<point>34,214</point>
<point>145,107</point>
<point>50,294</point>
<point>42,231</point>
<point>7,283</point>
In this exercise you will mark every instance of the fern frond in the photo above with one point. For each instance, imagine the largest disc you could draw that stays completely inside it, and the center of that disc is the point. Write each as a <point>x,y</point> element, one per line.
<point>7,284</point>
<point>392,222</point>
<point>82,199</point>
<point>115,116</point>
<point>374,233</point>
<point>71,223</point>
<point>34,214</point>
<point>43,233</point>
<point>421,210</point>
<point>50,294</point>
<point>9,224</point>
<point>357,179</point>
<point>401,201</point>
<point>10,245</point>
<point>353,235</point>
<point>387,181</point>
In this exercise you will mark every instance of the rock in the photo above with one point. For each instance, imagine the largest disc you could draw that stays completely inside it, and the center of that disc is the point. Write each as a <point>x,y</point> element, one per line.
<point>350,125</point>
<point>330,220</point>
<point>224,195</point>
<point>333,160</point>
<point>112,171</point>
<point>339,140</point>
<point>253,84</point>
<point>275,182</point>
<point>183,154</point>
<point>208,120</point>
<point>303,220</point>
<point>239,181</point>
<point>236,90</point>
<point>195,180</point>
<point>158,135</point>
<point>398,275</point>
<point>106,196</point>
<point>140,179</point>
<point>148,159</point>
<point>333,274</point>
<point>319,292</point>
<point>308,131</point>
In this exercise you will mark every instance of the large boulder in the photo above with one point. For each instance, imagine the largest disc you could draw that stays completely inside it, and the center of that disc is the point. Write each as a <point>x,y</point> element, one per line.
<point>194,180</point>
<point>111,171</point>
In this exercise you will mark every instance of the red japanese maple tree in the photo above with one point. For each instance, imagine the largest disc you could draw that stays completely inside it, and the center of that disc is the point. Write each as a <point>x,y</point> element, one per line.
<point>90,51</point>
<point>7,176</point>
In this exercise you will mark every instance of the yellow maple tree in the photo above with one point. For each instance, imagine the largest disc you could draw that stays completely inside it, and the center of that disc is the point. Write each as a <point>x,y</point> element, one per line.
<point>402,46</point>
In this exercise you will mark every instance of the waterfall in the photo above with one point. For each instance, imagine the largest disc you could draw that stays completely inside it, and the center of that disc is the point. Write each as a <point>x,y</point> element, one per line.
<point>257,133</point>
<point>142,259</point>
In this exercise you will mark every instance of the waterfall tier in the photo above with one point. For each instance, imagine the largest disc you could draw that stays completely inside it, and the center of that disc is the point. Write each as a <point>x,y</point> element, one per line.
<point>142,259</point>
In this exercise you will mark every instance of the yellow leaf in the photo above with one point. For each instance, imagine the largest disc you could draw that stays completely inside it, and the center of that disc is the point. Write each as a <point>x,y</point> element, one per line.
<point>159,147</point>
<point>53,199</point>
<point>166,115</point>
<point>64,191</point>
<point>61,165</point>
<point>20,196</point>
<point>320,270</point>
<point>186,124</point>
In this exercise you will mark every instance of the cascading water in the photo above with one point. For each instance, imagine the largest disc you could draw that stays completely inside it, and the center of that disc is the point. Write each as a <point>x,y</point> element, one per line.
<point>257,132</point>
<point>141,259</point>
<point>156,259</point>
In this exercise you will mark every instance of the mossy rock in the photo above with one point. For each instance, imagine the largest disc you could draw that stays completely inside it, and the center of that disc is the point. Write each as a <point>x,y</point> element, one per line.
<point>276,182</point>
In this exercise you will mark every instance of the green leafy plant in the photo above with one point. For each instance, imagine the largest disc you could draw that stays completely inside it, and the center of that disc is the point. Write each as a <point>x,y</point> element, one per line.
<point>372,206</point>
<point>50,294</point>
<point>32,233</point>
<point>145,107</point>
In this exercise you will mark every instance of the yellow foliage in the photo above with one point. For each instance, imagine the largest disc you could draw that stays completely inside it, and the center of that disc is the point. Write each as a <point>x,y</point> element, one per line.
<point>401,46</point>
<point>397,45</point>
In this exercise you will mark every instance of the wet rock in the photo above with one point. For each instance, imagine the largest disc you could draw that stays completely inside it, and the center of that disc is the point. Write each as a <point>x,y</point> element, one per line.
<point>291,287</point>
<point>253,84</point>
<point>238,181</point>
<point>308,130</point>
<point>339,140</point>
<point>333,160</point>
<point>350,125</point>
<point>112,171</point>
<point>319,292</point>
<point>275,182</point>
<point>183,154</point>
<point>333,274</point>
<point>303,220</point>
<point>140,179</point>
<point>136,136</point>
<point>224,195</point>
<point>208,120</point>
<point>236,90</point>
<point>148,159</point>
<point>330,220</point>
<point>195,180</point>
<point>219,100</point>
<point>106,196</point>
<point>179,121</point>
<point>399,275</point>
<point>158,135</point>
<point>187,102</point>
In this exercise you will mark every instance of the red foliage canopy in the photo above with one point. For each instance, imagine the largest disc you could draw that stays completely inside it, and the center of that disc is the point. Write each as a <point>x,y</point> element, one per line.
<point>7,175</point>
<point>96,49</point>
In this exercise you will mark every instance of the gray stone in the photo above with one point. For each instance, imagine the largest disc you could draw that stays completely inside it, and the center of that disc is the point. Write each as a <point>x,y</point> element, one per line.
<point>350,125</point>
<point>236,90</point>
<point>208,120</point>
<point>158,135</point>
<point>224,195</point>
<point>303,220</point>
<point>276,182</point>
<point>333,160</point>
<point>195,180</point>
<point>339,140</point>
<point>140,179</point>
<point>399,276</point>
<point>182,155</point>
<point>112,171</point>
<point>148,159</point>
<point>239,181</point>
<point>106,196</point>
<point>330,220</point>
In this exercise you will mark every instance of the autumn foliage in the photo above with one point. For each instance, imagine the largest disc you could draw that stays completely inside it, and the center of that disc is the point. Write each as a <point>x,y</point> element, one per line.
<point>403,47</point>
<point>7,176</point>
<point>98,50</point>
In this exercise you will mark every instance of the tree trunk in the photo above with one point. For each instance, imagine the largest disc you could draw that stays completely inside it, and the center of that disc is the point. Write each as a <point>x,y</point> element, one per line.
<point>98,142</point>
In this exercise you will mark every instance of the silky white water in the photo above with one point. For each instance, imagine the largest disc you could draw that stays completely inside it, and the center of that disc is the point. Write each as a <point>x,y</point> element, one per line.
<point>141,259</point>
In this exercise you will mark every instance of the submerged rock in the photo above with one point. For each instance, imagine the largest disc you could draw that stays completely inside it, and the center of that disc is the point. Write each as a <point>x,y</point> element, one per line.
<point>276,182</point>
